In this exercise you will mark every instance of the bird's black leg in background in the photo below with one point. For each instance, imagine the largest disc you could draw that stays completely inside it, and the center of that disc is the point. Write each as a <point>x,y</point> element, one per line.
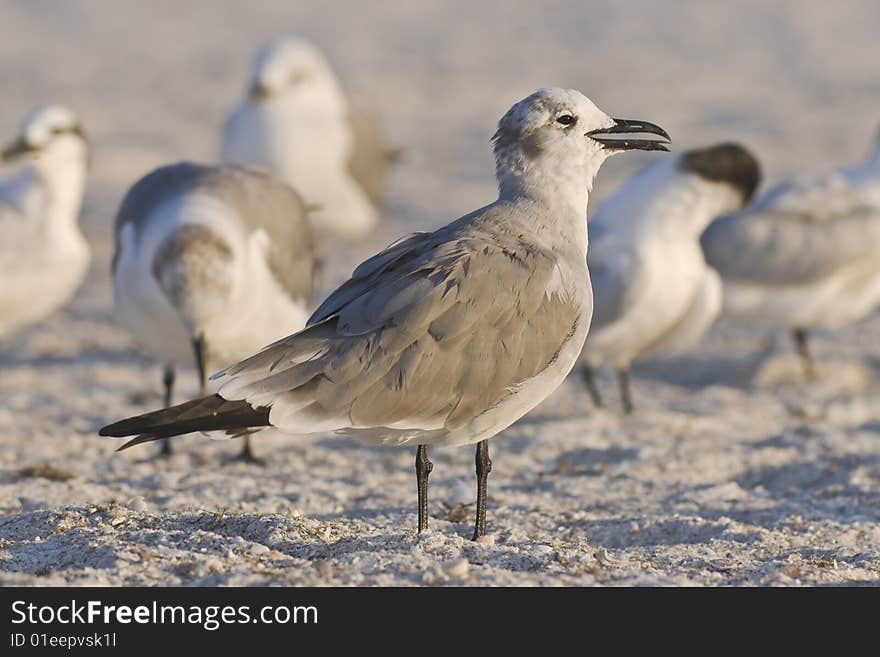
<point>800,339</point>
<point>168,382</point>
<point>423,469</point>
<point>589,375</point>
<point>484,467</point>
<point>199,353</point>
<point>625,394</point>
<point>247,453</point>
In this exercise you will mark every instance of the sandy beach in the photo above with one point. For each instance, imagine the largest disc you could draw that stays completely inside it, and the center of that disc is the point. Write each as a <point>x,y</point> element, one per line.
<point>732,471</point>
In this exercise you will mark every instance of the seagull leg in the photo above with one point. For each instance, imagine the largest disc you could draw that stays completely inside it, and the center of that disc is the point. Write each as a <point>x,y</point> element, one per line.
<point>423,470</point>
<point>589,375</point>
<point>800,339</point>
<point>246,454</point>
<point>625,394</point>
<point>168,381</point>
<point>198,345</point>
<point>484,467</point>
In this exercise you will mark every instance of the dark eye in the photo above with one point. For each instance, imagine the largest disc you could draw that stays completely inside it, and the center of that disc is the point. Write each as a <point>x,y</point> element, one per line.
<point>565,119</point>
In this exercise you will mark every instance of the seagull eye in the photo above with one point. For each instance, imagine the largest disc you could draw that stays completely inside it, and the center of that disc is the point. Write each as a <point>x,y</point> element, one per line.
<point>565,119</point>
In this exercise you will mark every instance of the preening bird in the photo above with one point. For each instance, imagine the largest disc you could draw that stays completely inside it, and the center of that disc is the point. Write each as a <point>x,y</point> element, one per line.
<point>212,263</point>
<point>297,121</point>
<point>44,256</point>
<point>653,292</point>
<point>805,255</point>
<point>448,337</point>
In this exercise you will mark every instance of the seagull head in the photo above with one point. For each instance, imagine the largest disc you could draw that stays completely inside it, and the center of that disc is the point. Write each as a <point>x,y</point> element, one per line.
<point>725,164</point>
<point>45,131</point>
<point>290,66</point>
<point>558,136</point>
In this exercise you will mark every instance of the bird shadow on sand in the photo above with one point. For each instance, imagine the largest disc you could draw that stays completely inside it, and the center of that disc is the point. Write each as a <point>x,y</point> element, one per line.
<point>630,531</point>
<point>59,552</point>
<point>694,372</point>
<point>828,480</point>
<point>11,359</point>
<point>797,494</point>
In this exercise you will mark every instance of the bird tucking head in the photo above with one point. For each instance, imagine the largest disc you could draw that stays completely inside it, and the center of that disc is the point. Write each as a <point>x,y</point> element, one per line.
<point>289,66</point>
<point>46,129</point>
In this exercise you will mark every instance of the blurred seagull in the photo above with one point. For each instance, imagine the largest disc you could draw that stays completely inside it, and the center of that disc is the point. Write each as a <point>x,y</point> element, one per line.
<point>297,121</point>
<point>804,255</point>
<point>211,264</point>
<point>444,338</point>
<point>43,254</point>
<point>653,292</point>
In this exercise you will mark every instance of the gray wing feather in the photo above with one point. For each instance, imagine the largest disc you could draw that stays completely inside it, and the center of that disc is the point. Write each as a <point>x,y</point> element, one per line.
<point>435,330</point>
<point>614,280</point>
<point>788,243</point>
<point>366,272</point>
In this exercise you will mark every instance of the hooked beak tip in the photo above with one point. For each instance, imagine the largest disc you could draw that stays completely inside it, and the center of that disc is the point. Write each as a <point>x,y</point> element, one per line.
<point>631,127</point>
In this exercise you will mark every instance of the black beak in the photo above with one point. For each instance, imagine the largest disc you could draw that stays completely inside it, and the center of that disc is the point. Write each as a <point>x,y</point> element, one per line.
<point>15,149</point>
<point>258,93</point>
<point>627,127</point>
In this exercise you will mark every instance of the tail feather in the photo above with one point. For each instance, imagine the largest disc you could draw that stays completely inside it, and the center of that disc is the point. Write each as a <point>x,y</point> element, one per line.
<point>212,413</point>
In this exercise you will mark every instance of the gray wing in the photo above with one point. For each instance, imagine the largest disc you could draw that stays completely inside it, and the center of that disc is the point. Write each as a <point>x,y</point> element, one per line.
<point>23,198</point>
<point>23,195</point>
<point>19,236</point>
<point>261,202</point>
<point>398,253</point>
<point>794,235</point>
<point>371,156</point>
<point>615,280</point>
<point>426,336</point>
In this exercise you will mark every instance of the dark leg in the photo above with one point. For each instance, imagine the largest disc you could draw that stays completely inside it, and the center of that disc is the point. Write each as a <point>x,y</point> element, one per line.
<point>168,381</point>
<point>247,454</point>
<point>199,352</point>
<point>625,396</point>
<point>800,339</point>
<point>484,467</point>
<point>423,469</point>
<point>590,381</point>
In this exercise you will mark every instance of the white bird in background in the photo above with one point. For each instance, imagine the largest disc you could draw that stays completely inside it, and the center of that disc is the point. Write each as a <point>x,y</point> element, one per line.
<point>43,254</point>
<point>212,263</point>
<point>297,121</point>
<point>805,255</point>
<point>653,292</point>
<point>444,338</point>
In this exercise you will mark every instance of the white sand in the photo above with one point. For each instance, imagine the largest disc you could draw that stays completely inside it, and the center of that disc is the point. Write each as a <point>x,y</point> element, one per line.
<point>732,471</point>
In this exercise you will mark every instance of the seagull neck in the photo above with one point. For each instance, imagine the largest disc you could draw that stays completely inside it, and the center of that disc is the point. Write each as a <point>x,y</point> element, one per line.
<point>64,176</point>
<point>555,215</point>
<point>564,195</point>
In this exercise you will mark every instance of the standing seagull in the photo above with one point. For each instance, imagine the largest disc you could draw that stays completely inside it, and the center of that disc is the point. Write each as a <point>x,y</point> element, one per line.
<point>444,338</point>
<point>653,292</point>
<point>297,121</point>
<point>43,254</point>
<point>211,263</point>
<point>805,255</point>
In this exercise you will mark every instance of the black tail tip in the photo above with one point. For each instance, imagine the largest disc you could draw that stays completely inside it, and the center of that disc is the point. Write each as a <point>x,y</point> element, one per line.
<point>113,431</point>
